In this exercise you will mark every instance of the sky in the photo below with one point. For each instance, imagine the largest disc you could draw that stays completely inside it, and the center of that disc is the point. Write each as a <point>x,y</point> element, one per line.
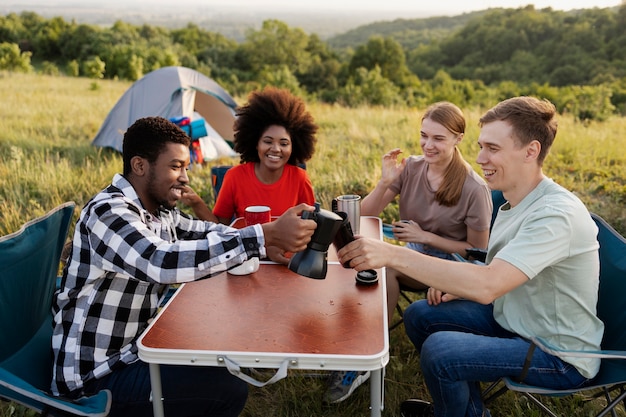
<point>396,8</point>
<point>448,7</point>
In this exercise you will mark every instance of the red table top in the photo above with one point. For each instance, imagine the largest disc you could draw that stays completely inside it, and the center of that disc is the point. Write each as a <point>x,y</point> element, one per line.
<point>274,311</point>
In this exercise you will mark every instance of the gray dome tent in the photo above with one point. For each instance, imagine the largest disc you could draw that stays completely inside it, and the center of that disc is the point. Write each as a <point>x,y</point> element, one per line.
<point>171,92</point>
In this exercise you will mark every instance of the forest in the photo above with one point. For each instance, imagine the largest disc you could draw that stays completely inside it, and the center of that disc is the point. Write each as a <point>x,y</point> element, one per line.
<point>575,59</point>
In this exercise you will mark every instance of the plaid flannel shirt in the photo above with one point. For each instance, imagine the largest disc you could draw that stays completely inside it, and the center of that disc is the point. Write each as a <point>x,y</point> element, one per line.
<point>121,262</point>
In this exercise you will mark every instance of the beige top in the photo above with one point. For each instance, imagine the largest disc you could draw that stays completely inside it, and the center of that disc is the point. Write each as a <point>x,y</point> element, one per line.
<point>417,202</point>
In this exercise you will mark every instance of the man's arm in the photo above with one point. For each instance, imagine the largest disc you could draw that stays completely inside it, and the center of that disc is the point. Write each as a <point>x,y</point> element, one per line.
<point>125,241</point>
<point>480,283</point>
<point>290,231</point>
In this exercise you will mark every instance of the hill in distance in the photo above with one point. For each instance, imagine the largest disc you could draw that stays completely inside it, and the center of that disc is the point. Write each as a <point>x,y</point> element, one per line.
<point>226,19</point>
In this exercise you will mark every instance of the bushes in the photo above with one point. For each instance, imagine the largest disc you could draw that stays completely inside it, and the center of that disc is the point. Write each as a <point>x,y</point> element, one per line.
<point>12,59</point>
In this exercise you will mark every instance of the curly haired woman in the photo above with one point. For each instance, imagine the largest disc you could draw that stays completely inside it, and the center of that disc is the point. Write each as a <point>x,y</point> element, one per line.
<point>274,133</point>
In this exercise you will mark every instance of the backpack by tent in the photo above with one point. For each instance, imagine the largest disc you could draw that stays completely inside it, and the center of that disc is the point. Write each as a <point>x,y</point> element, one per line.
<point>171,92</point>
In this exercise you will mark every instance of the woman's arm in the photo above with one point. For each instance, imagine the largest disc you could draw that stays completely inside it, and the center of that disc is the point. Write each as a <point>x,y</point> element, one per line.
<point>376,201</point>
<point>200,209</point>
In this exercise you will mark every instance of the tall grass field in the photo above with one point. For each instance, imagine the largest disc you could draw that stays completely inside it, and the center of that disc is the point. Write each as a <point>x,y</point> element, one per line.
<point>46,158</point>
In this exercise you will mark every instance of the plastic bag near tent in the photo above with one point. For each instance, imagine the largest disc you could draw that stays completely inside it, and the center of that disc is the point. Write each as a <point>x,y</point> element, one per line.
<point>212,145</point>
<point>206,142</point>
<point>171,92</point>
<point>195,129</point>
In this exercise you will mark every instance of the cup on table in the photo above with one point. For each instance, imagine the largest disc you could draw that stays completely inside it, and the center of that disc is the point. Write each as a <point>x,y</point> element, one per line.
<point>351,205</point>
<point>247,267</point>
<point>257,215</point>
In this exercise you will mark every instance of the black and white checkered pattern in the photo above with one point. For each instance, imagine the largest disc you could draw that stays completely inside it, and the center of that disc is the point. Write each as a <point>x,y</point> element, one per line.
<point>122,260</point>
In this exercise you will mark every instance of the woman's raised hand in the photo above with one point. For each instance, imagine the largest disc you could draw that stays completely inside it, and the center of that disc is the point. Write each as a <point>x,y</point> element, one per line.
<point>391,167</point>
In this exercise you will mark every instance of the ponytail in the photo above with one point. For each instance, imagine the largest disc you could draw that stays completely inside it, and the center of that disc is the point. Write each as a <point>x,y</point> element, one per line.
<point>449,192</point>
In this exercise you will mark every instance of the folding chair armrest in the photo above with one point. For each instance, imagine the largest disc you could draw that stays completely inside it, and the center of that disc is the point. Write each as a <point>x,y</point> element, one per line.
<point>97,405</point>
<point>457,257</point>
<point>477,254</point>
<point>556,351</point>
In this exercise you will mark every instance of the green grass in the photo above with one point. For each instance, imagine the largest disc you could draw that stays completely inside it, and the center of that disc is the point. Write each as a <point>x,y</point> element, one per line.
<point>46,158</point>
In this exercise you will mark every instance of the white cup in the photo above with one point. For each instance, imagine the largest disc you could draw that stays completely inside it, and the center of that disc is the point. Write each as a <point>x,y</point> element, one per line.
<point>248,267</point>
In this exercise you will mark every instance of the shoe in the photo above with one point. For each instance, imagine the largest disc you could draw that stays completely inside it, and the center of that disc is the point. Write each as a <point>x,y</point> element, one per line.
<point>342,384</point>
<point>416,408</point>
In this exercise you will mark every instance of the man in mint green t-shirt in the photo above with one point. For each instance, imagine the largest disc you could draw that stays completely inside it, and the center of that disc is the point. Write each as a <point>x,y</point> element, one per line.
<point>540,280</point>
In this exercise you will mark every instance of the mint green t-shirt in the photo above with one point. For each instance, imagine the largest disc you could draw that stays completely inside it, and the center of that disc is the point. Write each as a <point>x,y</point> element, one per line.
<point>551,238</point>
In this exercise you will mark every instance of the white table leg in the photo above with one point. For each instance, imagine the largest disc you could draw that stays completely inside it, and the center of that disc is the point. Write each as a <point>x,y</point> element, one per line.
<point>157,391</point>
<point>377,392</point>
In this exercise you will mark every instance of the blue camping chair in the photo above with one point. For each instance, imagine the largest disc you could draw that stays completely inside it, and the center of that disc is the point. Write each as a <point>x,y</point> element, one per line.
<point>217,178</point>
<point>612,311</point>
<point>29,262</point>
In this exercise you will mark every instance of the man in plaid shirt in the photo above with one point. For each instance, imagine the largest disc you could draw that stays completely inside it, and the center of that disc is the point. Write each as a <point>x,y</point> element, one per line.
<point>129,244</point>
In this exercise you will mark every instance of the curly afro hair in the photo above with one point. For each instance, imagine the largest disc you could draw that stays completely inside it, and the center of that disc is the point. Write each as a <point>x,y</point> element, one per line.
<point>273,106</point>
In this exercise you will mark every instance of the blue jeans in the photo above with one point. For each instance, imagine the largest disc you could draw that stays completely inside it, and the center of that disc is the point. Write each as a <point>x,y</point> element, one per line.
<point>429,250</point>
<point>461,344</point>
<point>188,391</point>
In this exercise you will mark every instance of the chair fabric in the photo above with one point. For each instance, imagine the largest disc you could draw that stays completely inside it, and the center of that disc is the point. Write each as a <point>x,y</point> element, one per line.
<point>612,312</point>
<point>217,178</point>
<point>497,198</point>
<point>29,262</point>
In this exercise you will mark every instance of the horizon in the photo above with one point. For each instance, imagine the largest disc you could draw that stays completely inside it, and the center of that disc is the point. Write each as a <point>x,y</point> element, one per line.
<point>399,8</point>
<point>327,18</point>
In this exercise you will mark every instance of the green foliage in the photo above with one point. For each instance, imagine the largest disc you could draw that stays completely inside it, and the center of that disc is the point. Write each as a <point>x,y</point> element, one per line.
<point>73,69</point>
<point>12,28</point>
<point>527,45</point>
<point>444,88</point>
<point>280,77</point>
<point>12,59</point>
<point>94,68</point>
<point>321,75</point>
<point>410,33</point>
<point>588,103</point>
<point>384,53</point>
<point>369,87</point>
<point>276,45</point>
<point>465,59</point>
<point>48,68</point>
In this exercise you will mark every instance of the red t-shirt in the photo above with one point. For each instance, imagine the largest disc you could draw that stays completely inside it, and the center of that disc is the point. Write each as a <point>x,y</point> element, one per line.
<point>241,188</point>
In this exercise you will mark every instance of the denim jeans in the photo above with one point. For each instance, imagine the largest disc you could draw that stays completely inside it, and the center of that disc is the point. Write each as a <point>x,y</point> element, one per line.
<point>188,391</point>
<point>461,344</point>
<point>429,250</point>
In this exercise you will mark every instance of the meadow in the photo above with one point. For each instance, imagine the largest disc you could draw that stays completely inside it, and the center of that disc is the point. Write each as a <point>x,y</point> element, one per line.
<point>46,158</point>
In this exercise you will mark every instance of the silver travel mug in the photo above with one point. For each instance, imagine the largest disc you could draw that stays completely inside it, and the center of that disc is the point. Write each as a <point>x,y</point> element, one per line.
<point>351,205</point>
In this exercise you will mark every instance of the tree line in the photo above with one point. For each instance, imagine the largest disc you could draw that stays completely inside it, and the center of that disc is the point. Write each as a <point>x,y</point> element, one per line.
<point>575,59</point>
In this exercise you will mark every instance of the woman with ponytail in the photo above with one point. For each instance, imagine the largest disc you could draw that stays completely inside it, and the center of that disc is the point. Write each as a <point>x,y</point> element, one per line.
<point>445,206</point>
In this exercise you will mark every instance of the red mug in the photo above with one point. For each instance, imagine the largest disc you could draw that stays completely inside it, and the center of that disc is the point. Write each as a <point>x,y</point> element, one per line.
<point>257,215</point>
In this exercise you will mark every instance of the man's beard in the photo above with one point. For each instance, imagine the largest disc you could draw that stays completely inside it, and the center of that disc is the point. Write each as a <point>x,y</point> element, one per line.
<point>153,193</point>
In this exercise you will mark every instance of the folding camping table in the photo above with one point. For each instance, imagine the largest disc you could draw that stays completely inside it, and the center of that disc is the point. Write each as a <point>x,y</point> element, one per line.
<point>275,318</point>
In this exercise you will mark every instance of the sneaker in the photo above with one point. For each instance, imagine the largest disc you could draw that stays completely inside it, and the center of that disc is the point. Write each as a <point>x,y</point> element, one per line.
<point>342,384</point>
<point>416,408</point>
